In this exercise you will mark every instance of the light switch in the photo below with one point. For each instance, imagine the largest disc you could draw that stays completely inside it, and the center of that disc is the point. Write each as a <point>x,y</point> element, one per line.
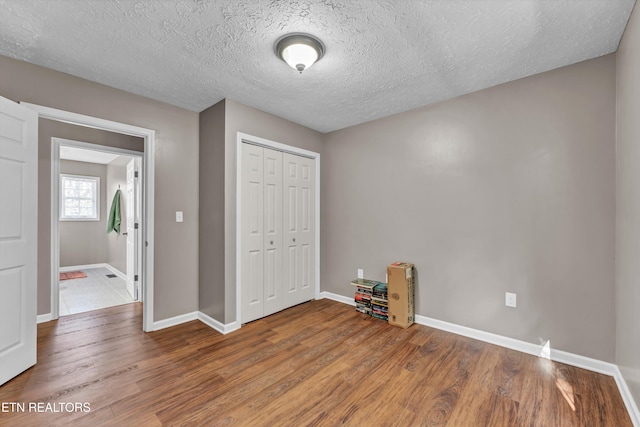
<point>179,216</point>
<point>510,299</point>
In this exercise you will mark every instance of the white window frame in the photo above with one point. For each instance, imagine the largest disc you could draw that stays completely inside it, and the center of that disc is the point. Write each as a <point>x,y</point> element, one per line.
<point>96,179</point>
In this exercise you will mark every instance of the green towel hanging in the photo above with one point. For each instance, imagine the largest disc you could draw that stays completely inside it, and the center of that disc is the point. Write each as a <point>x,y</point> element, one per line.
<point>114,216</point>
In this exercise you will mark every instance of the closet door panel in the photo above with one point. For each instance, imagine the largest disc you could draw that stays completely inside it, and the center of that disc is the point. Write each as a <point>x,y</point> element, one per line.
<point>273,292</point>
<point>290,217</point>
<point>290,270</point>
<point>307,227</point>
<point>305,267</point>
<point>299,236</point>
<point>254,277</point>
<point>252,286</point>
<point>278,231</point>
<point>292,204</point>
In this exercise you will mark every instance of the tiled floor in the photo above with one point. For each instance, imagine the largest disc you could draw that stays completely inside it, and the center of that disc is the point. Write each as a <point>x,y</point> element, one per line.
<point>93,292</point>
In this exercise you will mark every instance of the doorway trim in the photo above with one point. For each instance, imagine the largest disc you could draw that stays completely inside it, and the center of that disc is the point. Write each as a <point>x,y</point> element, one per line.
<point>262,142</point>
<point>56,143</point>
<point>148,196</point>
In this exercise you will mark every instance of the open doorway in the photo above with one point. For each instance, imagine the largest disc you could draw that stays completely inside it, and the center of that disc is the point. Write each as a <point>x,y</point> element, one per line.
<point>146,269</point>
<point>98,215</point>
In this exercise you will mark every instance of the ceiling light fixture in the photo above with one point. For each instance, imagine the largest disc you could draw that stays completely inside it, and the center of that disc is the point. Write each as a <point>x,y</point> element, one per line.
<point>299,50</point>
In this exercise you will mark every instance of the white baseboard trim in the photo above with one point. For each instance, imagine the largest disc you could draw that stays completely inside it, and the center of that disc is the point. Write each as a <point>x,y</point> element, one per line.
<point>336,297</point>
<point>196,315</point>
<point>109,267</point>
<point>534,349</point>
<point>121,275</point>
<point>176,320</point>
<point>627,397</point>
<point>43,318</point>
<point>518,345</point>
<point>82,267</point>
<point>231,327</point>
<point>560,356</point>
<point>117,272</point>
<point>218,326</point>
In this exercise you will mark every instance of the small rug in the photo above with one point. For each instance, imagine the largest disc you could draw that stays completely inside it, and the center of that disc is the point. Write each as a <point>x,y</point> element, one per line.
<point>68,275</point>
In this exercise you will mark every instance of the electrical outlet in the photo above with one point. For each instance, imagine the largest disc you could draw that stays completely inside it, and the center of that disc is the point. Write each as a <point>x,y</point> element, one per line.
<point>510,299</point>
<point>179,216</point>
<point>360,273</point>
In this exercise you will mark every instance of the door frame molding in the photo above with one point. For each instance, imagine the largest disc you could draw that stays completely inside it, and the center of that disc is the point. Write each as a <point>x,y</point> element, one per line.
<point>56,143</point>
<point>148,194</point>
<point>138,184</point>
<point>262,142</point>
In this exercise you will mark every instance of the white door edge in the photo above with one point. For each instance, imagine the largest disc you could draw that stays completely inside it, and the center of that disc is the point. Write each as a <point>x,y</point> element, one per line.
<point>250,139</point>
<point>19,243</point>
<point>131,231</point>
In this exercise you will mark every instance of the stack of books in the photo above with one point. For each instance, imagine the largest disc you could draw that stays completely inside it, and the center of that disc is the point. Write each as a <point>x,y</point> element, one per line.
<point>371,298</point>
<point>379,302</point>
<point>364,293</point>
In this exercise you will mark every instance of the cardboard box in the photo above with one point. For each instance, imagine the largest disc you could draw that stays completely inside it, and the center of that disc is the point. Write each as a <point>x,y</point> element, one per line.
<point>401,291</point>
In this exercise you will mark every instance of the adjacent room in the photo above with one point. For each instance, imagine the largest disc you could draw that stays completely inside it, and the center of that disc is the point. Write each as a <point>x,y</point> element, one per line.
<point>94,199</point>
<point>205,206</point>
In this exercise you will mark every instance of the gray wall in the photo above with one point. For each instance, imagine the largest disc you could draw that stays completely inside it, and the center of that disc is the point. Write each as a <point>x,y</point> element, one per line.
<point>507,189</point>
<point>116,244</point>
<point>211,249</point>
<point>85,242</point>
<point>628,205</point>
<point>240,118</point>
<point>176,180</point>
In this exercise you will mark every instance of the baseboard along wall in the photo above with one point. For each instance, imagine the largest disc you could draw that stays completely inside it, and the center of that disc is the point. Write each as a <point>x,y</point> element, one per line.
<point>43,318</point>
<point>560,356</point>
<point>109,267</point>
<point>218,326</point>
<point>174,321</point>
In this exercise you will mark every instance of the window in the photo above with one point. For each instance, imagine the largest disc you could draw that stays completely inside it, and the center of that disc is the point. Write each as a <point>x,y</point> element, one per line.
<point>79,198</point>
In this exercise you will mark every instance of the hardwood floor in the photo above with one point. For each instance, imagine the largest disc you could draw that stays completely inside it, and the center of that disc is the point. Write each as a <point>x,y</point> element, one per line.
<point>319,363</point>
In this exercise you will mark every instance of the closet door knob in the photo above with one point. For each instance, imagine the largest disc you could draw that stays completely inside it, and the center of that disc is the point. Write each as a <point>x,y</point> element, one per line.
<point>294,239</point>
<point>271,242</point>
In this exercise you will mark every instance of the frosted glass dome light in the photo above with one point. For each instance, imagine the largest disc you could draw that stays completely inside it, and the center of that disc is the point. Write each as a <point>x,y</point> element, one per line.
<point>299,50</point>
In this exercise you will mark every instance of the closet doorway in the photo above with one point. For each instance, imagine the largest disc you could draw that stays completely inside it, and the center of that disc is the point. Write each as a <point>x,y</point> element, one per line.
<point>277,227</point>
<point>97,209</point>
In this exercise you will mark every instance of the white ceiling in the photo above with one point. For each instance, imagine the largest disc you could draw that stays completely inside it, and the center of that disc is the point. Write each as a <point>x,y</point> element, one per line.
<point>383,57</point>
<point>89,156</point>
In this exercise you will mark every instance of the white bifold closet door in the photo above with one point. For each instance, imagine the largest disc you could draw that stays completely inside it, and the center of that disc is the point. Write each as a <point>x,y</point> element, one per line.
<point>278,231</point>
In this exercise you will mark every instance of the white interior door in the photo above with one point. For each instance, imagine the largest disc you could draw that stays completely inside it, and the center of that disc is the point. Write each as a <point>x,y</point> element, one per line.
<point>273,295</point>
<point>18,238</point>
<point>299,229</point>
<point>131,207</point>
<point>262,237</point>
<point>252,283</point>
<point>278,231</point>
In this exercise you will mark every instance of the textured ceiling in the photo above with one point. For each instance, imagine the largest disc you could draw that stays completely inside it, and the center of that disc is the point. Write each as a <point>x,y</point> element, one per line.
<point>383,57</point>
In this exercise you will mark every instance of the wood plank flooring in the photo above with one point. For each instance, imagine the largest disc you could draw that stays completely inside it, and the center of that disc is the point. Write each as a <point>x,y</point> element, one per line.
<point>318,363</point>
